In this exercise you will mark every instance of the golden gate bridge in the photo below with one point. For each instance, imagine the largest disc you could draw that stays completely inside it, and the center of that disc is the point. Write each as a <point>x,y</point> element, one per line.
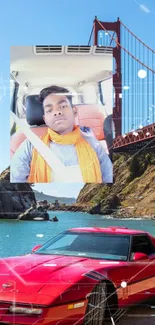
<point>133,86</point>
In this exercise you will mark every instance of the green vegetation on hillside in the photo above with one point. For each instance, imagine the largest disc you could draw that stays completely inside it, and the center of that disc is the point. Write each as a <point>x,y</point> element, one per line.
<point>133,188</point>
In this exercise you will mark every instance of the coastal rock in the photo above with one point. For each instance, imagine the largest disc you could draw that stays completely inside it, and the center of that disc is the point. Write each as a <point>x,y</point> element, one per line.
<point>14,198</point>
<point>54,219</point>
<point>106,206</point>
<point>38,214</point>
<point>131,195</point>
<point>44,203</point>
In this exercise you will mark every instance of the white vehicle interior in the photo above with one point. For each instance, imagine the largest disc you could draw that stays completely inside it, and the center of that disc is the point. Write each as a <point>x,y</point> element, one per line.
<point>85,70</point>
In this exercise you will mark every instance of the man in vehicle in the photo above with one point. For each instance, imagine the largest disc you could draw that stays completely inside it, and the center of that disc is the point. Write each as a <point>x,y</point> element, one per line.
<point>75,147</point>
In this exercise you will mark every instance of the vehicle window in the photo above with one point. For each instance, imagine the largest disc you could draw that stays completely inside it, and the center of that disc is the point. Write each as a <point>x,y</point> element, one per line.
<point>141,244</point>
<point>111,247</point>
<point>102,92</point>
<point>13,92</point>
<point>12,88</point>
<point>20,107</point>
<point>62,242</point>
<point>89,94</point>
<point>106,96</point>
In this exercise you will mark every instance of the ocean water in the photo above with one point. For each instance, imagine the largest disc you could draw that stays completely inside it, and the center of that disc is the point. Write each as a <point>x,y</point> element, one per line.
<point>19,237</point>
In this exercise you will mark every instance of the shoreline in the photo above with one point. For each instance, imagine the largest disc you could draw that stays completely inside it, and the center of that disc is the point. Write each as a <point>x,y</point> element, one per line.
<point>41,212</point>
<point>148,218</point>
<point>114,215</point>
<point>118,213</point>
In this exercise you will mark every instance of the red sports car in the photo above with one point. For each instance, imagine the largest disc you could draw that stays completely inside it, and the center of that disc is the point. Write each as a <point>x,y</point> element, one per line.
<point>82,276</point>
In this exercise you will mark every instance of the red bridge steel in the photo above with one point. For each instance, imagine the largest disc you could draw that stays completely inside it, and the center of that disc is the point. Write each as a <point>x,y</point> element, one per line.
<point>133,85</point>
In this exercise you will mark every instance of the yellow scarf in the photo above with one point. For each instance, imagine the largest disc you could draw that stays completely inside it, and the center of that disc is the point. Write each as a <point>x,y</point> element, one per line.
<point>40,172</point>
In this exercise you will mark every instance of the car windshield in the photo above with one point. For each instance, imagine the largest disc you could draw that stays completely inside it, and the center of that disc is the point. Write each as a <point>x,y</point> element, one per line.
<point>91,245</point>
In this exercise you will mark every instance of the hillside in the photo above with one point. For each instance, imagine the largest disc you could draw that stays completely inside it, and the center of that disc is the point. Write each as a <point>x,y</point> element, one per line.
<point>14,198</point>
<point>40,196</point>
<point>131,195</point>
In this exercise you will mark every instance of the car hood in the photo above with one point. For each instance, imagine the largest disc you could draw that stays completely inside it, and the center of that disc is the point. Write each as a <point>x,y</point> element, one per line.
<point>44,274</point>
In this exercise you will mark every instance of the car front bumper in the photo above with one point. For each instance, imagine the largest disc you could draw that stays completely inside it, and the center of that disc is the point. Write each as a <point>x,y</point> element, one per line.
<point>62,315</point>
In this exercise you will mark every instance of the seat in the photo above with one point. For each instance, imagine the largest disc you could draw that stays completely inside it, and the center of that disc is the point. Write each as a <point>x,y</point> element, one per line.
<point>88,115</point>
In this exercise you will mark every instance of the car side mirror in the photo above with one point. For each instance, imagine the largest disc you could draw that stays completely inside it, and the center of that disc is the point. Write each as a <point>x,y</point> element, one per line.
<point>35,248</point>
<point>139,256</point>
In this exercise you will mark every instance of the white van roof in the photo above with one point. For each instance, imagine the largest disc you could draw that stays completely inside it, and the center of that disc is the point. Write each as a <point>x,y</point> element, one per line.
<point>61,65</point>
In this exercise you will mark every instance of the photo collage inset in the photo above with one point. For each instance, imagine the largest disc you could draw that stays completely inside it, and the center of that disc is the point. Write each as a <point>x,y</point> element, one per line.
<point>62,111</point>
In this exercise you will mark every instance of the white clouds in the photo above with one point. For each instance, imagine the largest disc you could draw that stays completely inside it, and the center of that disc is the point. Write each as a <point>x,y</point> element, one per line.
<point>144,8</point>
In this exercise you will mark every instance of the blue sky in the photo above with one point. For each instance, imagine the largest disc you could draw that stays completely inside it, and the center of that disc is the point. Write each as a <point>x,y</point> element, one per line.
<point>60,22</point>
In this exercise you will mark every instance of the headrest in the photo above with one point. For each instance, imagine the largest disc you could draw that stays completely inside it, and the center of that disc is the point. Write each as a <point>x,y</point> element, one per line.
<point>88,115</point>
<point>34,111</point>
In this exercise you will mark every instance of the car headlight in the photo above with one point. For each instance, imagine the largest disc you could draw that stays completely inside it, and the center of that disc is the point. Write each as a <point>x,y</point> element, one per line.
<point>24,310</point>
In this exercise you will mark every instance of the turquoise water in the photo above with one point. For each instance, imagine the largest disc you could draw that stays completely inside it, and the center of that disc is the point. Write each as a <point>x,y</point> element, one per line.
<point>19,237</point>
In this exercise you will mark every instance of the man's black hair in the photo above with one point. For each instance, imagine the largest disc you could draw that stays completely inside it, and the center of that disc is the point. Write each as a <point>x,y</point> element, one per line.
<point>54,90</point>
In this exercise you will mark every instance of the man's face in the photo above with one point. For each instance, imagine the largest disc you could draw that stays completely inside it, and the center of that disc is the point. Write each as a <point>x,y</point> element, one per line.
<point>59,115</point>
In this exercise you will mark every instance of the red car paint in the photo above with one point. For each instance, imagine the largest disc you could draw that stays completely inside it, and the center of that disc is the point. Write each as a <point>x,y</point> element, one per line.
<point>52,282</point>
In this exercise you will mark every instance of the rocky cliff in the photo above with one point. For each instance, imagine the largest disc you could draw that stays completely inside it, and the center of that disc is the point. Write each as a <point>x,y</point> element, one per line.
<point>131,195</point>
<point>14,198</point>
